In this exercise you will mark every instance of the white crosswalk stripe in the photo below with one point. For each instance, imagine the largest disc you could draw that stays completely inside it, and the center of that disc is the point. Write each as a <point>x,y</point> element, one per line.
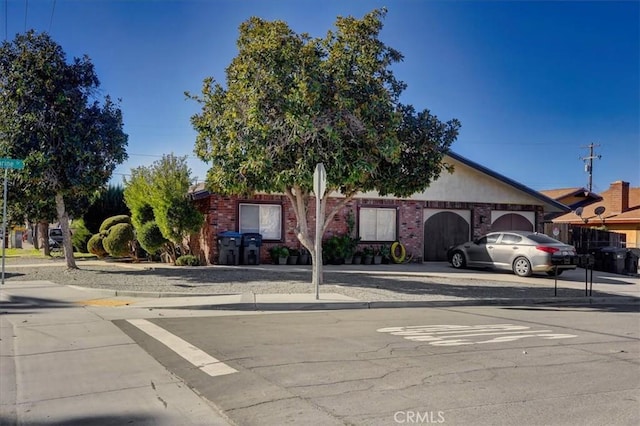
<point>186,350</point>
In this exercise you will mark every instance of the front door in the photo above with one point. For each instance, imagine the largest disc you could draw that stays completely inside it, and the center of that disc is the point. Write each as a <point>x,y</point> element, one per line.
<point>441,231</point>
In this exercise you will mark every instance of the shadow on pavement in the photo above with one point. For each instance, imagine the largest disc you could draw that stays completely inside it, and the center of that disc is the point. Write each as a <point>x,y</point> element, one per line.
<point>564,307</point>
<point>134,419</point>
<point>24,302</point>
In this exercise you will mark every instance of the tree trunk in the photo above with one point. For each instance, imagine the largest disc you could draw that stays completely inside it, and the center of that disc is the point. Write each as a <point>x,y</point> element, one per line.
<point>43,237</point>
<point>300,202</point>
<point>63,218</point>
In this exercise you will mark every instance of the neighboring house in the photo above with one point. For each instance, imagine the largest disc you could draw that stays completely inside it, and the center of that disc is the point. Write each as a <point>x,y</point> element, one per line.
<point>457,207</point>
<point>621,212</point>
<point>571,197</point>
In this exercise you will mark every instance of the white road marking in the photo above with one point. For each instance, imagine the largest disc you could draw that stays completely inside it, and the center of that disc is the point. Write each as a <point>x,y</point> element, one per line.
<point>186,350</point>
<point>450,335</point>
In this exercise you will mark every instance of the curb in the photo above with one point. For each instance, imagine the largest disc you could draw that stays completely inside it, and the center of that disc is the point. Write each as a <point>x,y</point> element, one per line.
<point>321,306</point>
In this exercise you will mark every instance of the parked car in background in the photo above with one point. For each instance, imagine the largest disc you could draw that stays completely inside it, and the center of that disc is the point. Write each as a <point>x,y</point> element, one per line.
<point>519,251</point>
<point>55,237</point>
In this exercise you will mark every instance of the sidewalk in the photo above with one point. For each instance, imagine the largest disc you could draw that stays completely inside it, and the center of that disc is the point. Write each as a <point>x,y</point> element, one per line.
<point>63,363</point>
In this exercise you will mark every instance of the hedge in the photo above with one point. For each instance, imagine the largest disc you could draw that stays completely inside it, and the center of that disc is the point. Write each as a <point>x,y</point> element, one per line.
<point>117,242</point>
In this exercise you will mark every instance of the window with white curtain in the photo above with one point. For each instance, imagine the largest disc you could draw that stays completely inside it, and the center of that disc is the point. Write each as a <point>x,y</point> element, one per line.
<point>265,219</point>
<point>377,224</point>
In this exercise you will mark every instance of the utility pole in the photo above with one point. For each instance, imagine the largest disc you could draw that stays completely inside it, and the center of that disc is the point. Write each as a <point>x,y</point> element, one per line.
<point>589,167</point>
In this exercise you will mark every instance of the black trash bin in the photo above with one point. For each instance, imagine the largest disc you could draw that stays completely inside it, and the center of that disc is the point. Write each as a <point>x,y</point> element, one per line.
<point>613,259</point>
<point>251,243</point>
<point>229,248</point>
<point>631,262</point>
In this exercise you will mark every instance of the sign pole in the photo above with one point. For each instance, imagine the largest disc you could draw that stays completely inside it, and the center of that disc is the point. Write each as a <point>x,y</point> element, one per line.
<point>319,186</point>
<point>4,222</point>
<point>6,164</point>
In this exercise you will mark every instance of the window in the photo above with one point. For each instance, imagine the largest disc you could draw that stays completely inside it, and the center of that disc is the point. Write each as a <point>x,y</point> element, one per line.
<point>377,224</point>
<point>489,239</point>
<point>265,219</point>
<point>510,239</point>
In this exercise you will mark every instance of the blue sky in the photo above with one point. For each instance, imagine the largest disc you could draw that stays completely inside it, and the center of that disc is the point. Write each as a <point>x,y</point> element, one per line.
<point>533,83</point>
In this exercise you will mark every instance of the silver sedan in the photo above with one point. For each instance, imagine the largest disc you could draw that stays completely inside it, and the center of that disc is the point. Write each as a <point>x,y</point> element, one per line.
<point>519,251</point>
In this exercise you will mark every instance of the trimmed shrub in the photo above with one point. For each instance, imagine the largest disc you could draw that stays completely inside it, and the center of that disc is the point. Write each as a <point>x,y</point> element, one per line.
<point>114,220</point>
<point>80,235</point>
<point>150,237</point>
<point>146,214</point>
<point>95,246</point>
<point>117,242</point>
<point>187,260</point>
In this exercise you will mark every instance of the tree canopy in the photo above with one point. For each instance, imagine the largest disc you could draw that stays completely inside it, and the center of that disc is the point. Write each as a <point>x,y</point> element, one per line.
<point>159,194</point>
<point>291,101</point>
<point>50,117</point>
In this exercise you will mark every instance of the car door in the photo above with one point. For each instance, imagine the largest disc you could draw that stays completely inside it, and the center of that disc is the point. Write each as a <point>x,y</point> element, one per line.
<point>478,252</point>
<point>506,250</point>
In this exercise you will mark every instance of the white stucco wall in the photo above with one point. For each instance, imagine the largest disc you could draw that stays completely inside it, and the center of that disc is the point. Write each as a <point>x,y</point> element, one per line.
<point>466,184</point>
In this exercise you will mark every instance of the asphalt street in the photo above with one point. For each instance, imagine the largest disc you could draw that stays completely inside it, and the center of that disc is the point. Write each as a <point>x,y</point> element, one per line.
<point>469,365</point>
<point>460,347</point>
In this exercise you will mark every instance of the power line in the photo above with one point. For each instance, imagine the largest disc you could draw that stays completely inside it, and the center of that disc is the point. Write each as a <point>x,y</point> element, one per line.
<point>51,20</point>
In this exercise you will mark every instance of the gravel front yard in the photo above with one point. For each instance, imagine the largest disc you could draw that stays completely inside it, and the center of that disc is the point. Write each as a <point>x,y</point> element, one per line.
<point>364,284</point>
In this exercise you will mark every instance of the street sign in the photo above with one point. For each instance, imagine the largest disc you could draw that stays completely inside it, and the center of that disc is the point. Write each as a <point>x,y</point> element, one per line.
<point>319,180</point>
<point>11,163</point>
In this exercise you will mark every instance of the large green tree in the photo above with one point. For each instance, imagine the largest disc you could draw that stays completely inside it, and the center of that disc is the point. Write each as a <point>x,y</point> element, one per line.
<point>292,101</point>
<point>50,117</point>
<point>159,194</point>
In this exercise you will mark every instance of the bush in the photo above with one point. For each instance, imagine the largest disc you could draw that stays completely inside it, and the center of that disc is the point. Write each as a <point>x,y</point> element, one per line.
<point>150,237</point>
<point>114,220</point>
<point>187,260</point>
<point>95,246</point>
<point>117,242</point>
<point>80,235</point>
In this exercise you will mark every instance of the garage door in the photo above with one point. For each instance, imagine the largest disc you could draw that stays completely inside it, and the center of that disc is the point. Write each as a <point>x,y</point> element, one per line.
<point>512,222</point>
<point>441,231</point>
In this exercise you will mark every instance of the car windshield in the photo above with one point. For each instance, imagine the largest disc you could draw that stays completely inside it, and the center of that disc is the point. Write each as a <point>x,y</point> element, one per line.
<point>543,239</point>
<point>55,232</point>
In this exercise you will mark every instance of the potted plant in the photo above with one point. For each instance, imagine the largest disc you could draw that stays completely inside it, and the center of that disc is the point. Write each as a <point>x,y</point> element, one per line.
<point>357,257</point>
<point>303,259</point>
<point>377,257</point>
<point>385,252</point>
<point>279,255</point>
<point>333,250</point>
<point>350,246</point>
<point>294,253</point>
<point>368,255</point>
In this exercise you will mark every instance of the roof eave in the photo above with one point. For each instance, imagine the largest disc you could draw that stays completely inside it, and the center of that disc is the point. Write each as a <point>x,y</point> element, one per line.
<point>556,206</point>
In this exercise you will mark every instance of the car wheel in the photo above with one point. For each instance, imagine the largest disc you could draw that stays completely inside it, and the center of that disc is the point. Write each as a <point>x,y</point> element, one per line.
<point>458,261</point>
<point>553,273</point>
<point>522,267</point>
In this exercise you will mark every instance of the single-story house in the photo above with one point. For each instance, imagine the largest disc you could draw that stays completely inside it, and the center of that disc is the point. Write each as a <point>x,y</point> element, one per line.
<point>617,209</point>
<point>457,207</point>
